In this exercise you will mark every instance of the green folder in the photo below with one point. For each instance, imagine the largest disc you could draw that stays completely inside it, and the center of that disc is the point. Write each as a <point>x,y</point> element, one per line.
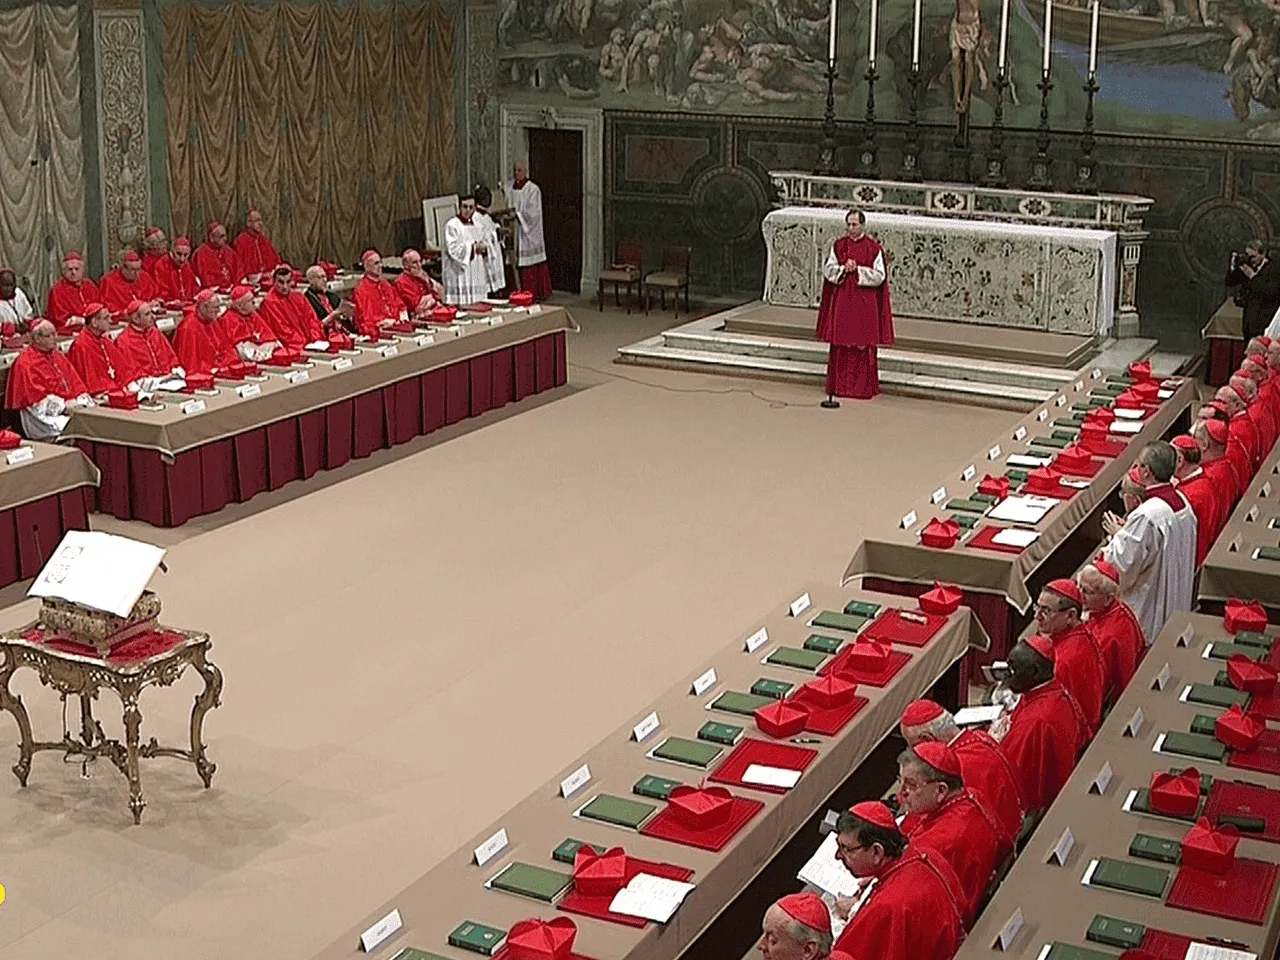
<point>1016,474</point>
<point>692,752</point>
<point>537,883</point>
<point>1221,650</point>
<point>827,645</point>
<point>743,704</point>
<point>968,506</point>
<point>413,953</point>
<point>967,521</point>
<point>861,608</point>
<point>567,851</point>
<point>809,660</point>
<point>1071,422</point>
<point>659,788</point>
<point>1080,410</point>
<point>1215,696</point>
<point>1194,745</point>
<point>1222,679</point>
<point>772,689</point>
<point>618,810</point>
<point>1103,401</point>
<point>1069,951</point>
<point>1147,847</point>
<point>725,733</point>
<point>477,938</point>
<point>1269,553</point>
<point>1206,780</point>
<point>1249,638</point>
<point>1142,804</point>
<point>1130,877</point>
<point>988,498</point>
<point>1243,823</point>
<point>1056,443</point>
<point>834,620</point>
<point>1066,433</point>
<point>1124,934</point>
<point>1203,725</point>
<point>1111,389</point>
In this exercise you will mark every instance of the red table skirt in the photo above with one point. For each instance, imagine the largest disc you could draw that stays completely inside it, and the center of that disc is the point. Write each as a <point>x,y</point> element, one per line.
<point>139,485</point>
<point>1224,359</point>
<point>30,533</point>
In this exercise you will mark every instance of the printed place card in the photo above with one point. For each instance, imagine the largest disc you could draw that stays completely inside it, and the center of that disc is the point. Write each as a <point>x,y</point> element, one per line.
<point>938,496</point>
<point>575,781</point>
<point>391,350</point>
<point>1186,636</point>
<point>968,473</point>
<point>491,847</point>
<point>1102,780</point>
<point>1009,932</point>
<point>1252,515</point>
<point>189,407</point>
<point>1062,400</point>
<point>908,520</point>
<point>342,363</point>
<point>704,682</point>
<point>297,376</point>
<point>1134,727</point>
<point>1062,849</point>
<point>381,932</point>
<point>424,340</point>
<point>1079,385</point>
<point>1097,373</point>
<point>1042,416</point>
<point>246,390</point>
<point>21,455</point>
<point>645,727</point>
<point>1020,433</point>
<point>757,640</point>
<point>800,604</point>
<point>1162,678</point>
<point>994,453</point>
<point>1266,490</point>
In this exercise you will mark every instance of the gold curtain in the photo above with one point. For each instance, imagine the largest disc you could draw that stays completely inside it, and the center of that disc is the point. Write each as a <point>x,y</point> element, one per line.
<point>334,119</point>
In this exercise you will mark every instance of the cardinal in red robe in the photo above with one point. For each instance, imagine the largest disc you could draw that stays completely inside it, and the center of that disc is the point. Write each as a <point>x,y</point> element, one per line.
<point>42,382</point>
<point>1112,624</point>
<point>214,261</point>
<point>288,313</point>
<point>943,816</point>
<point>797,927</point>
<point>1213,437</point>
<point>984,768</point>
<point>418,291</point>
<point>174,277</point>
<point>914,909</point>
<point>855,316</point>
<point>97,359</point>
<point>377,302</point>
<point>126,283</point>
<point>71,295</point>
<point>254,252</point>
<point>147,350</point>
<point>1045,732</point>
<point>253,336</point>
<point>202,344</point>
<point>155,247</point>
<point>1264,425</point>
<point>1079,664</point>
<point>1206,502</point>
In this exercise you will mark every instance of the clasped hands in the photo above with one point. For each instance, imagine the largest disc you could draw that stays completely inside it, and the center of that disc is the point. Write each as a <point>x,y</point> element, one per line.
<point>1111,524</point>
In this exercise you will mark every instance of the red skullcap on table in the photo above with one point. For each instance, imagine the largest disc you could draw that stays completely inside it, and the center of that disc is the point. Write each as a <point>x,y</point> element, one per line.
<point>939,756</point>
<point>809,909</point>
<point>875,813</point>
<point>919,712</point>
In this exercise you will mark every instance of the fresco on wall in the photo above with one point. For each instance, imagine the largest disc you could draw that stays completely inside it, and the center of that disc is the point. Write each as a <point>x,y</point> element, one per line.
<point>1192,68</point>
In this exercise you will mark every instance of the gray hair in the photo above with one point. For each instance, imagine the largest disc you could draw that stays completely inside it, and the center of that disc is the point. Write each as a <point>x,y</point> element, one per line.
<point>802,933</point>
<point>941,728</point>
<point>1095,579</point>
<point>1161,459</point>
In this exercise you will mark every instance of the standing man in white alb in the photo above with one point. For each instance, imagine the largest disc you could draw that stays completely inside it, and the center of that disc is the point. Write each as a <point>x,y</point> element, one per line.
<point>467,257</point>
<point>525,198</point>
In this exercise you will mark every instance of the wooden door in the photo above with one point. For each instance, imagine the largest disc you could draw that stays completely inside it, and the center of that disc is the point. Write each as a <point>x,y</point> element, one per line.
<point>555,165</point>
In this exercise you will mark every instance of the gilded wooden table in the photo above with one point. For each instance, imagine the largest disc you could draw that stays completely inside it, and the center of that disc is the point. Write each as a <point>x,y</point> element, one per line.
<point>156,658</point>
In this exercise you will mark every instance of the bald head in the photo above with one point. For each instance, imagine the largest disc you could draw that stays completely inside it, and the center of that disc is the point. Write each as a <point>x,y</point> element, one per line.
<point>316,277</point>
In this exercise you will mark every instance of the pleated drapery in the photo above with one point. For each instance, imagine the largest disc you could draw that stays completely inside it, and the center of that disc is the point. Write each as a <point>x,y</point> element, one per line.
<point>334,119</point>
<point>41,147</point>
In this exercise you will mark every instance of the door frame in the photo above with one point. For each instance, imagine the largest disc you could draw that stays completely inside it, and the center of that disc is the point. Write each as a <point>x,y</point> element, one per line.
<point>517,119</point>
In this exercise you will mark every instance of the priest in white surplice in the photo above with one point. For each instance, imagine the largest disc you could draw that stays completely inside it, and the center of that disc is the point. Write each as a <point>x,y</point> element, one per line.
<point>466,262</point>
<point>525,198</point>
<point>1154,547</point>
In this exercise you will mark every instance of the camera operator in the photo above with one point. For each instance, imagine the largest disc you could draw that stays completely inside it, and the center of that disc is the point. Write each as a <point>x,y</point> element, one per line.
<point>1257,278</point>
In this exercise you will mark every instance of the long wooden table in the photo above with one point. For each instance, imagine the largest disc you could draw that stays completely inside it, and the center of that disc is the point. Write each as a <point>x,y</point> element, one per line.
<point>1230,568</point>
<point>40,500</point>
<point>454,890</point>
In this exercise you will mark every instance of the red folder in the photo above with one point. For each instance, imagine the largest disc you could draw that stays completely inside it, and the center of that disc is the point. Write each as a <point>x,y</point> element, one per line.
<point>841,666</point>
<point>666,827</point>
<point>892,627</point>
<point>982,540</point>
<point>1164,945</point>
<point>1264,758</point>
<point>598,907</point>
<point>751,751</point>
<point>1232,798</point>
<point>1243,893</point>
<point>827,721</point>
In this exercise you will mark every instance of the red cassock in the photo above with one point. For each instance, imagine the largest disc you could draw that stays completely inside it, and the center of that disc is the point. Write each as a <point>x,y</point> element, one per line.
<point>292,319</point>
<point>1046,733</point>
<point>255,254</point>
<point>117,291</point>
<point>203,347</point>
<point>1265,424</point>
<point>855,320</point>
<point>1269,393</point>
<point>176,282</point>
<point>148,354</point>
<point>149,260</point>
<point>215,266</point>
<point>966,835</point>
<point>36,374</point>
<point>912,913</point>
<point>1225,481</point>
<point>247,326</point>
<point>412,290</point>
<point>1082,670</point>
<point>375,301</point>
<point>1119,635</point>
<point>68,300</point>
<point>99,362</point>
<point>989,776</point>
<point>1206,504</point>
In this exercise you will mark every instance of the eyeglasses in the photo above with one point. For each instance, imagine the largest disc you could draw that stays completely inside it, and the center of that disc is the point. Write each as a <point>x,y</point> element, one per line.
<point>847,848</point>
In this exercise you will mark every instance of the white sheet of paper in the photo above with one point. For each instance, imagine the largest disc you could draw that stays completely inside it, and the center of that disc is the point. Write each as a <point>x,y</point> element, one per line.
<point>1125,426</point>
<point>827,873</point>
<point>1026,460</point>
<point>1209,951</point>
<point>971,716</point>
<point>174,384</point>
<point>771,776</point>
<point>98,570</point>
<point>654,898</point>
<point>1014,537</point>
<point>1125,413</point>
<point>1022,509</point>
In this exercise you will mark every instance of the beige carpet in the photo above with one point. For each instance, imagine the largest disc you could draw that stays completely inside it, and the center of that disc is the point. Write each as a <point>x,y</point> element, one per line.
<point>413,644</point>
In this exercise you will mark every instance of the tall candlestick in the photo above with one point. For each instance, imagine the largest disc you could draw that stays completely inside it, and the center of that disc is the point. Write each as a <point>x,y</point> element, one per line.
<point>1004,33</point>
<point>1093,41</point>
<point>915,36</point>
<point>831,34</point>
<point>871,44</point>
<point>1048,35</point>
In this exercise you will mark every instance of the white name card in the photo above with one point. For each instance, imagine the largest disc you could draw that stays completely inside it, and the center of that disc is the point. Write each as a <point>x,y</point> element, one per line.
<point>381,932</point>
<point>994,453</point>
<point>1062,849</point>
<point>938,496</point>
<point>1079,384</point>
<point>968,473</point>
<point>1020,433</point>
<point>246,390</point>
<point>1252,515</point>
<point>342,363</point>
<point>1234,545</point>
<point>645,727</point>
<point>21,455</point>
<point>1162,678</point>
<point>1134,727</point>
<point>424,340</point>
<point>491,847</point>
<point>1186,636</point>
<point>1009,932</point>
<point>1042,416</point>
<point>390,350</point>
<point>1266,490</point>
<point>189,407</point>
<point>165,323</point>
<point>908,520</point>
<point>704,682</point>
<point>495,320</point>
<point>1102,780</point>
<point>1061,401</point>
<point>757,640</point>
<point>1096,374</point>
<point>800,604</point>
<point>536,308</point>
<point>297,376</point>
<point>575,781</point>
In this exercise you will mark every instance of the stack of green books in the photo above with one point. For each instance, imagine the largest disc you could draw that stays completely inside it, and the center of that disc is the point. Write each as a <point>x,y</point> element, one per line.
<point>809,660</point>
<point>1068,431</point>
<point>861,608</point>
<point>1203,725</point>
<point>1249,638</point>
<point>772,689</point>
<point>1221,650</point>
<point>1057,443</point>
<point>692,753</point>
<point>1142,804</point>
<point>1213,695</point>
<point>1147,847</point>
<point>742,704</point>
<point>1130,877</point>
<point>725,733</point>
<point>619,811</point>
<point>567,852</point>
<point>477,938</point>
<point>967,521</point>
<point>979,497</point>
<point>968,505</point>
<point>1196,745</point>
<point>1124,934</point>
<point>1072,421</point>
<point>658,788</point>
<point>827,645</point>
<point>834,620</point>
<point>1016,474</point>
<point>536,883</point>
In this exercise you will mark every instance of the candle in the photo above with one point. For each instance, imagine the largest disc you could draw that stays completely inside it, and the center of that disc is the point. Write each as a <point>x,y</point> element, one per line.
<point>1093,41</point>
<point>1048,35</point>
<point>871,44</point>
<point>915,38</point>
<point>1004,33</point>
<point>831,34</point>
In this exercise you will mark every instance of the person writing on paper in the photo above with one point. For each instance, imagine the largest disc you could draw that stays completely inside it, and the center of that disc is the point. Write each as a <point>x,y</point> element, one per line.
<point>1154,547</point>
<point>797,927</point>
<point>525,198</point>
<point>1078,662</point>
<point>912,908</point>
<point>1208,504</point>
<point>984,768</point>
<point>148,351</point>
<point>254,338</point>
<point>1044,733</point>
<point>15,306</point>
<point>43,385</point>
<point>100,363</point>
<point>1111,624</point>
<point>943,816</point>
<point>466,257</point>
<point>855,316</point>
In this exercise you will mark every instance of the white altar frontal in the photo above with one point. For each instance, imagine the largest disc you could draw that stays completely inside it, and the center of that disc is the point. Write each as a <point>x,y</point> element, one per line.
<point>1051,278</point>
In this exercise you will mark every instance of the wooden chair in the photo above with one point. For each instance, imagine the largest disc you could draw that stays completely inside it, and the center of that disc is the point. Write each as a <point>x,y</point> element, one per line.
<point>625,271</point>
<point>673,276</point>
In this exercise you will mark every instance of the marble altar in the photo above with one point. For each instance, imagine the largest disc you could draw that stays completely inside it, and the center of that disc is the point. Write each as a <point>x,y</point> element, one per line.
<point>1036,277</point>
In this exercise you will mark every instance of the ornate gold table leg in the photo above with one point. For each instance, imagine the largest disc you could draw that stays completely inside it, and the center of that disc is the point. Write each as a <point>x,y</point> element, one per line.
<point>13,703</point>
<point>208,698</point>
<point>132,727</point>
